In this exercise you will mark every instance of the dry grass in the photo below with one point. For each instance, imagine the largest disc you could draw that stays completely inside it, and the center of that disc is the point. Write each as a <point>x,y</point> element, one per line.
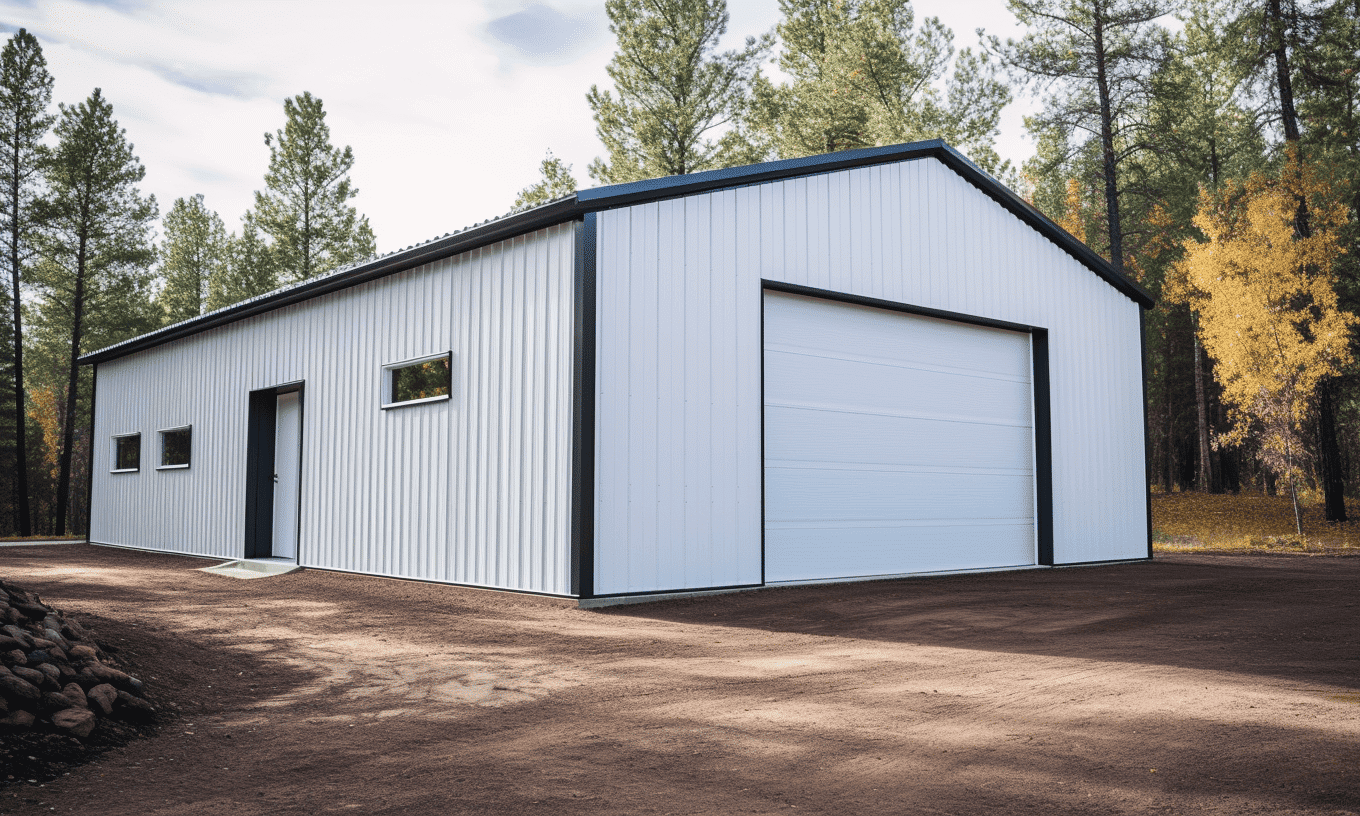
<point>1198,522</point>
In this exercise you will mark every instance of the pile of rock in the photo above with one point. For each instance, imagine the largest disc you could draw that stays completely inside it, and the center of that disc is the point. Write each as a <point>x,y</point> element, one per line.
<point>53,674</point>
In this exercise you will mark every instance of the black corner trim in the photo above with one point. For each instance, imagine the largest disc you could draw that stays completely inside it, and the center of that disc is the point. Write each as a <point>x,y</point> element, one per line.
<point>583,412</point>
<point>1043,448</point>
<point>94,446</point>
<point>1147,439</point>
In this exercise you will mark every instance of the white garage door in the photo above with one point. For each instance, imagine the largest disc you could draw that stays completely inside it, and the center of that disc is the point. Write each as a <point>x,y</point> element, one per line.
<point>893,443</point>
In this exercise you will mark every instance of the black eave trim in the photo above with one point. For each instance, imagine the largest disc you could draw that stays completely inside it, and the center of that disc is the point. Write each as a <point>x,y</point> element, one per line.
<point>510,226</point>
<point>1147,439</point>
<point>622,195</point>
<point>583,412</point>
<point>1043,447</point>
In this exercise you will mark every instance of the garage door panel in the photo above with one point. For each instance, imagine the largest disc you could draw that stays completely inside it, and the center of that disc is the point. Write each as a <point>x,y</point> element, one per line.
<point>823,494</point>
<point>851,384</point>
<point>924,339</point>
<point>894,443</point>
<point>812,553</point>
<point>818,435</point>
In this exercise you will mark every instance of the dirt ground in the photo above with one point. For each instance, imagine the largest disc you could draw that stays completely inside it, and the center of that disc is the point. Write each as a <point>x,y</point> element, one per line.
<point>1196,683</point>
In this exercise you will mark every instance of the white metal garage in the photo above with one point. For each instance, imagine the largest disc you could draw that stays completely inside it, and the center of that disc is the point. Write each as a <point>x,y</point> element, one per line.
<point>875,362</point>
<point>894,443</point>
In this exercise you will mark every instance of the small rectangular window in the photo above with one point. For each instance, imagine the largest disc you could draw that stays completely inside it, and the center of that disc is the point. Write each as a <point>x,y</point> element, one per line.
<point>127,453</point>
<point>176,444</point>
<point>426,379</point>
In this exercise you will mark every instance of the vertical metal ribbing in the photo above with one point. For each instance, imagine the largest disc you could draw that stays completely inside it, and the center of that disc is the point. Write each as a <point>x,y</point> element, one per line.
<point>461,491</point>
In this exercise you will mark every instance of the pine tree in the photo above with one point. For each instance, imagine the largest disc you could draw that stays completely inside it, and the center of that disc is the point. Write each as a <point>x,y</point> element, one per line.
<point>246,271</point>
<point>25,93</point>
<point>861,74</point>
<point>193,252</point>
<point>1094,57</point>
<point>304,210</point>
<point>556,182</point>
<point>673,91</point>
<point>94,274</point>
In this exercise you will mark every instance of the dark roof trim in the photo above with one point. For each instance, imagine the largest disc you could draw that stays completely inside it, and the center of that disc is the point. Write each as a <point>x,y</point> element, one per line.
<point>481,235</point>
<point>622,195</point>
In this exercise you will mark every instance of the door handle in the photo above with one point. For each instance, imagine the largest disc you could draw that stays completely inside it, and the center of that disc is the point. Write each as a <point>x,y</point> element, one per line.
<point>276,478</point>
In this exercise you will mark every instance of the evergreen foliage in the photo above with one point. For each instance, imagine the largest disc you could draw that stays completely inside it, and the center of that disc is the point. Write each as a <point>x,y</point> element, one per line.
<point>676,102</point>
<point>245,271</point>
<point>192,254</point>
<point>25,94</point>
<point>861,74</point>
<point>305,210</point>
<point>556,182</point>
<point>1093,58</point>
<point>93,275</point>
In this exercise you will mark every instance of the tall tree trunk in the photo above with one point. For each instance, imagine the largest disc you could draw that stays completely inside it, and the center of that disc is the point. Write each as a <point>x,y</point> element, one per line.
<point>1204,480</point>
<point>72,381</point>
<point>1169,446</point>
<point>1107,149</point>
<point>1283,83</point>
<point>1333,484</point>
<point>1293,488</point>
<point>20,416</point>
<point>1227,464</point>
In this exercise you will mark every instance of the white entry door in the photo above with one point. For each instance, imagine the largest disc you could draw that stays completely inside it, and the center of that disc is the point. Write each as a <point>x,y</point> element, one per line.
<point>894,443</point>
<point>287,473</point>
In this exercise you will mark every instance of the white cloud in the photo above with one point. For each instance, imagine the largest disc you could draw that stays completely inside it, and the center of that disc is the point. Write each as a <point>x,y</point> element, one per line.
<point>449,106</point>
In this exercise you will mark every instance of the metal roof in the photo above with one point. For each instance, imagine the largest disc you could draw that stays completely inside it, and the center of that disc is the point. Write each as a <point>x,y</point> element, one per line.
<point>622,195</point>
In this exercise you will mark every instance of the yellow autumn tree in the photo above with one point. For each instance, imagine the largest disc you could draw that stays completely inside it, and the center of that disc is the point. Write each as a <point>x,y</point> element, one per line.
<point>1073,218</point>
<point>1265,294</point>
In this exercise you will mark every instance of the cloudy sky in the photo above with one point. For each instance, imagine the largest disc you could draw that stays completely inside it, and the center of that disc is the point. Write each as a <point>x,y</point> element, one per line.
<point>449,105</point>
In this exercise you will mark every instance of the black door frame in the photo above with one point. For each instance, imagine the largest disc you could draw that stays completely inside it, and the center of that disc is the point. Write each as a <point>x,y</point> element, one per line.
<point>263,418</point>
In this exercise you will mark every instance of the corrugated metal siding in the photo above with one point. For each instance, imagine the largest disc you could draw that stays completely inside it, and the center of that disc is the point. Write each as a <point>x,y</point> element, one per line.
<point>679,356</point>
<point>475,490</point>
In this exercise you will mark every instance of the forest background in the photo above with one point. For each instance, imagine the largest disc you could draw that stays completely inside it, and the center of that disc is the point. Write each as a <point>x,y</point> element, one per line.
<point>1207,148</point>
